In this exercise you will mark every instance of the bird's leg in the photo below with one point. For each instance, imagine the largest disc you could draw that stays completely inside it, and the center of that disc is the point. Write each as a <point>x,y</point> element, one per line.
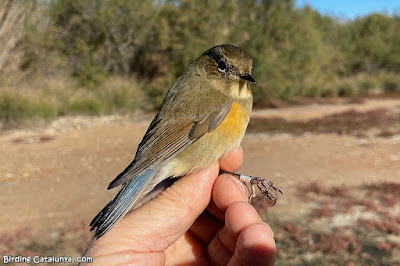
<point>266,187</point>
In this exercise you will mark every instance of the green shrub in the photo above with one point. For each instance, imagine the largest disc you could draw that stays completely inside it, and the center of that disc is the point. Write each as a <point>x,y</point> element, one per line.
<point>103,57</point>
<point>312,91</point>
<point>367,85</point>
<point>86,104</point>
<point>91,76</point>
<point>17,107</point>
<point>156,91</point>
<point>121,95</point>
<point>328,91</point>
<point>345,89</point>
<point>391,85</point>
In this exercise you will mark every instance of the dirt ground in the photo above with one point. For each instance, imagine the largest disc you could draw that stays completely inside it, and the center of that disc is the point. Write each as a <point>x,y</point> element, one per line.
<point>55,177</point>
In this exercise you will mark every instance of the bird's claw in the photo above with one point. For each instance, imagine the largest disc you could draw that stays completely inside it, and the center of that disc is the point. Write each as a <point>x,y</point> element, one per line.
<point>266,187</point>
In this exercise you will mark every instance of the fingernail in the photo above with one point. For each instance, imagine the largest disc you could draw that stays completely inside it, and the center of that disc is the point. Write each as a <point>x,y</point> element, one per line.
<point>239,184</point>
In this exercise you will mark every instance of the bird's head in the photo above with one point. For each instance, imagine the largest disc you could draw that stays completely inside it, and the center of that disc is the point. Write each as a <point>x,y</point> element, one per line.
<point>228,63</point>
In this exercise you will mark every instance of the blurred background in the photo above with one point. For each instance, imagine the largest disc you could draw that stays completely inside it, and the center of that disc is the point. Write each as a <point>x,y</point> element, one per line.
<point>81,80</point>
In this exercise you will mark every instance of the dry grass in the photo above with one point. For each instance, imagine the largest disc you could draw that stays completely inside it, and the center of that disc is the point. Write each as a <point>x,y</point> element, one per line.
<point>25,99</point>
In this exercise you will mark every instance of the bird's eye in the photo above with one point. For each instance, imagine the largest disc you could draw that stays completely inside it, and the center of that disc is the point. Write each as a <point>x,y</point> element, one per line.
<point>221,66</point>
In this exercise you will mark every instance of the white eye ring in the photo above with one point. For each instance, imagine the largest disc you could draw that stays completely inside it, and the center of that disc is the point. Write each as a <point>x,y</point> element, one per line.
<point>222,70</point>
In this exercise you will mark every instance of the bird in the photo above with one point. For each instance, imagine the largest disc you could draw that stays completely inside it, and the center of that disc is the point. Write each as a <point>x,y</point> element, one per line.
<point>203,116</point>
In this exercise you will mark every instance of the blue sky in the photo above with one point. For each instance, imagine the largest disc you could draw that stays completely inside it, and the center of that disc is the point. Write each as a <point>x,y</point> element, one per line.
<point>352,8</point>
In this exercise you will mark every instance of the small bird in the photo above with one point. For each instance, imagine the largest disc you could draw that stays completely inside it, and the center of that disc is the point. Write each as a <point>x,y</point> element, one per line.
<point>203,117</point>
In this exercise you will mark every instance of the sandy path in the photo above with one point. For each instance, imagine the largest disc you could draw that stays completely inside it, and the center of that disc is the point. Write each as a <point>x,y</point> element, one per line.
<point>314,111</point>
<point>61,180</point>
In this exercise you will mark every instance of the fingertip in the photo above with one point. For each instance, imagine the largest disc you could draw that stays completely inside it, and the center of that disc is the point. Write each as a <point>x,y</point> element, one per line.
<point>255,246</point>
<point>227,190</point>
<point>232,161</point>
<point>259,238</point>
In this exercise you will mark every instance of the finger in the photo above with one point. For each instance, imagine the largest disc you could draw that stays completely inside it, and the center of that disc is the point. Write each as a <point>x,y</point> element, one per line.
<point>255,246</point>
<point>187,250</point>
<point>214,211</point>
<point>227,190</point>
<point>217,253</point>
<point>232,161</point>
<point>239,215</point>
<point>205,227</point>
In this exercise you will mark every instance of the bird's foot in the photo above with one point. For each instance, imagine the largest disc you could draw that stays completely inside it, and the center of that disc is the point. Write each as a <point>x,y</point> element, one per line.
<point>266,187</point>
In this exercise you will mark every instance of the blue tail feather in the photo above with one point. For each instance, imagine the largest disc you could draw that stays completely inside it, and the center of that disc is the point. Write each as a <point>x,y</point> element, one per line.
<point>121,203</point>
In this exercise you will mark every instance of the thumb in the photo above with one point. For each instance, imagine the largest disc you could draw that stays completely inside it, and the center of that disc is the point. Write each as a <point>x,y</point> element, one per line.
<point>168,216</point>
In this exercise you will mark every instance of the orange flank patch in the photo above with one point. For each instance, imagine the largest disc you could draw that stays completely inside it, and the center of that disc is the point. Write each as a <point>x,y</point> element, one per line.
<point>234,123</point>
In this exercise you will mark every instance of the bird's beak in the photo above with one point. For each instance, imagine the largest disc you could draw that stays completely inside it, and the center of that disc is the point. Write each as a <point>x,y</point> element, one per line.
<point>247,77</point>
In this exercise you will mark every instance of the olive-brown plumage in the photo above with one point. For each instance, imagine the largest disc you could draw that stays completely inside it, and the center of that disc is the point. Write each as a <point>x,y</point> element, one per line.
<point>203,116</point>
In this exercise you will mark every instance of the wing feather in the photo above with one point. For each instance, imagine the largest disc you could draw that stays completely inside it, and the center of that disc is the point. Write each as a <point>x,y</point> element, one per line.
<point>163,140</point>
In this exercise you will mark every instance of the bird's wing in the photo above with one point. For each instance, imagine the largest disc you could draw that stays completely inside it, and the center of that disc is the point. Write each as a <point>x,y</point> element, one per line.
<point>163,140</point>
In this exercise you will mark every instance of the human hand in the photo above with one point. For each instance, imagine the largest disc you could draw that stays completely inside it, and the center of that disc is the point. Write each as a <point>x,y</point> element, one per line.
<point>181,226</point>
